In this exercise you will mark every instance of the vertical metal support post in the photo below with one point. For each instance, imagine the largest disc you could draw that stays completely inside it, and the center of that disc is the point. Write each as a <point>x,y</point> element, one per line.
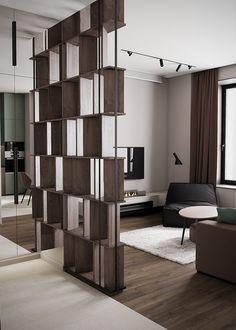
<point>16,175</point>
<point>116,160</point>
<point>99,161</point>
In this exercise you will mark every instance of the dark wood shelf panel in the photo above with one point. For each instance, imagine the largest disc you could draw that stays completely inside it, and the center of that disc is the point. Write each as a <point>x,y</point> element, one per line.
<point>55,35</point>
<point>76,174</point>
<point>55,102</point>
<point>42,71</point>
<point>43,104</point>
<point>109,180</point>
<point>54,209</point>
<point>71,94</point>
<point>92,137</point>
<point>51,236</point>
<point>49,121</point>
<point>89,21</point>
<point>40,139</point>
<point>56,136</point>
<point>71,28</point>
<point>87,54</point>
<point>47,172</point>
<point>37,203</point>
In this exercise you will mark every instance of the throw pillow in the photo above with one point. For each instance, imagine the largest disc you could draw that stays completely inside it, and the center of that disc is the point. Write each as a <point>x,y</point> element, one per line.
<point>227,215</point>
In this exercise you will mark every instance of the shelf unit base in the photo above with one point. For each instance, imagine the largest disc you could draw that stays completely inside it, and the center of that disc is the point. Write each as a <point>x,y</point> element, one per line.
<point>84,279</point>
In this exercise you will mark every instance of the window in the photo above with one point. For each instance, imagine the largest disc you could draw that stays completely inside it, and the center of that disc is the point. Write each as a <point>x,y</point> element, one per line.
<point>228,145</point>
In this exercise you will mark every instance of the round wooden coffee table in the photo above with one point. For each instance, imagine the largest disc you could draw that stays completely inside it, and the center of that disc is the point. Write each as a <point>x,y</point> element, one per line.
<point>197,213</point>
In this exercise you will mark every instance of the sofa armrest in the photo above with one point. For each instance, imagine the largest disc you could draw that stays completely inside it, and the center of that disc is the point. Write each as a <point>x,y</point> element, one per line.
<point>215,249</point>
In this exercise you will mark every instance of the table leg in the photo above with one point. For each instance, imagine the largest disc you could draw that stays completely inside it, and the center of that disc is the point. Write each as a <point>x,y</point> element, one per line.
<point>182,240</point>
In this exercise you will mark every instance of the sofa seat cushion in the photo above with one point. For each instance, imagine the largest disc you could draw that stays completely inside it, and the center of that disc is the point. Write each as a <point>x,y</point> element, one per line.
<point>227,215</point>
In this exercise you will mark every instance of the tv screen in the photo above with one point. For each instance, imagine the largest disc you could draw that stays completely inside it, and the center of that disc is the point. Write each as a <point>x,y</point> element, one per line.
<point>133,163</point>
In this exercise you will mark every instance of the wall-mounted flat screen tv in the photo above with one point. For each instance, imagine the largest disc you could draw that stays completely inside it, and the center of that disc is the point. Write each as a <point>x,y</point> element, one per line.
<point>133,163</point>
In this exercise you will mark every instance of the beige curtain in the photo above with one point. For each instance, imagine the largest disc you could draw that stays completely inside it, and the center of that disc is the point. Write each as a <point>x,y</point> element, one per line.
<point>203,163</point>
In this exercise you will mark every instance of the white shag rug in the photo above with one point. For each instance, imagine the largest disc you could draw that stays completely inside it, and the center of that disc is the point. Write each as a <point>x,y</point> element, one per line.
<point>163,242</point>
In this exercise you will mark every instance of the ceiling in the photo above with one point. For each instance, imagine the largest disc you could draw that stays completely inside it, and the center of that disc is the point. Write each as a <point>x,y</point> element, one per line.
<point>197,32</point>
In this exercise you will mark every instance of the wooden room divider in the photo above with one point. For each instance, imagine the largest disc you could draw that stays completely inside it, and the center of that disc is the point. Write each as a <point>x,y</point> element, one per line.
<point>79,180</point>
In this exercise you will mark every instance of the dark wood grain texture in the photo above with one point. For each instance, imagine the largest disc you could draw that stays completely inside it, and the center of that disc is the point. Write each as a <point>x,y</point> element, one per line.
<point>71,95</point>
<point>76,174</point>
<point>83,255</point>
<point>92,137</point>
<point>87,54</point>
<point>37,203</point>
<point>40,138</point>
<point>54,208</point>
<point>55,102</point>
<point>109,180</point>
<point>47,172</point>
<point>56,136</point>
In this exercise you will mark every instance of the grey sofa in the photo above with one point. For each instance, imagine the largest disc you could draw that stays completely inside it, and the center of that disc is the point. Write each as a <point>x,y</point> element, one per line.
<point>182,195</point>
<point>217,258</point>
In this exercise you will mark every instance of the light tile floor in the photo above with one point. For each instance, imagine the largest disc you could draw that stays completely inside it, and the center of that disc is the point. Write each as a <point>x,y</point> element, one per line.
<point>36,296</point>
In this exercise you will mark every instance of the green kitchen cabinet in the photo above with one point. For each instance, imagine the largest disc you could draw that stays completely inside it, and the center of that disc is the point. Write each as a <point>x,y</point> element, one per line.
<point>9,184</point>
<point>9,130</point>
<point>20,130</point>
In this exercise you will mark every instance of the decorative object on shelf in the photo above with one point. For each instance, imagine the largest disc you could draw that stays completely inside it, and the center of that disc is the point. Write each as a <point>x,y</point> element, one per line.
<point>161,59</point>
<point>133,193</point>
<point>77,168</point>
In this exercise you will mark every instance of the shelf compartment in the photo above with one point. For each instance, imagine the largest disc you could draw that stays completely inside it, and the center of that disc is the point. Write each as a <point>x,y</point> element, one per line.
<point>73,137</point>
<point>70,56</point>
<point>43,104</point>
<point>89,91</point>
<point>71,212</point>
<point>98,136</point>
<point>56,137</point>
<point>54,65</point>
<point>87,54</point>
<point>51,237</point>
<point>42,71</point>
<point>39,43</point>
<point>55,35</point>
<point>40,138</point>
<point>95,220</point>
<point>107,179</point>
<point>89,20</point>
<point>71,28</point>
<point>76,173</point>
<point>71,97</point>
<point>47,172</point>
<point>108,266</point>
<point>55,102</point>
<point>37,203</point>
<point>54,209</point>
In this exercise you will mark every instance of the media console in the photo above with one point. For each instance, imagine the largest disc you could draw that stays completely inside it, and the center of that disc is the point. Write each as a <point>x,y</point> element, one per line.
<point>141,203</point>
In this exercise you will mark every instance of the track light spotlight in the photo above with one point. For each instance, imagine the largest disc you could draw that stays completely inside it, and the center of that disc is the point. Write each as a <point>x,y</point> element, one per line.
<point>129,53</point>
<point>178,67</point>
<point>161,62</point>
<point>189,67</point>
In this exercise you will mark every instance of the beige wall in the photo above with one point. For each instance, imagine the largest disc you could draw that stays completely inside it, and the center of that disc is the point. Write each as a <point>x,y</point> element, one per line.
<point>145,125</point>
<point>179,116</point>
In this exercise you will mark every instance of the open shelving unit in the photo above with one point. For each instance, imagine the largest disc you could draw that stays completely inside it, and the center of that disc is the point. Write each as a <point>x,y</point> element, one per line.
<point>77,100</point>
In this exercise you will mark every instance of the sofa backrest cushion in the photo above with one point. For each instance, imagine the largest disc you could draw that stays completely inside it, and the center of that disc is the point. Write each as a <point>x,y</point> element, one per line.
<point>227,215</point>
<point>191,192</point>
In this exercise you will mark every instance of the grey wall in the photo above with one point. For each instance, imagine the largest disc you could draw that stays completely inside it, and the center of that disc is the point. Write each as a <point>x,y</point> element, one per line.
<point>179,116</point>
<point>145,125</point>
